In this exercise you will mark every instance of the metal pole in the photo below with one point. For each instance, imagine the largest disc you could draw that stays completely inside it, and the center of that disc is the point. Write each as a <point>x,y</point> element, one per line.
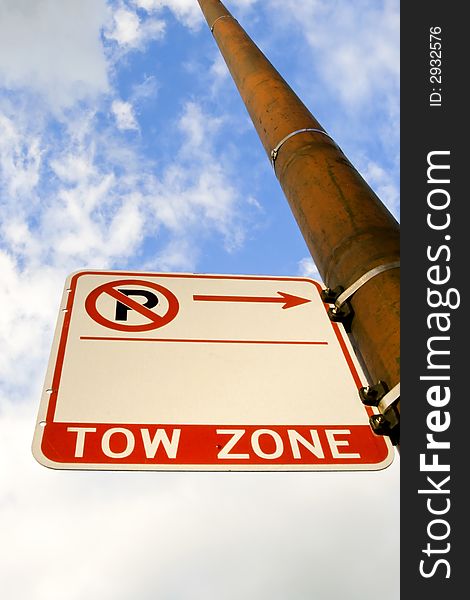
<point>348,231</point>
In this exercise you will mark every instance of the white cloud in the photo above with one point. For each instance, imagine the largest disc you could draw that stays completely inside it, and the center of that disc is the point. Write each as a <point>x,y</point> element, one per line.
<point>73,168</point>
<point>124,115</point>
<point>244,5</point>
<point>383,183</point>
<point>198,128</point>
<point>307,268</point>
<point>53,49</point>
<point>28,311</point>
<point>126,28</point>
<point>219,73</point>
<point>180,254</point>
<point>196,193</point>
<point>132,33</point>
<point>20,159</point>
<point>148,5</point>
<point>145,90</point>
<point>186,11</point>
<point>355,46</point>
<point>219,67</point>
<point>96,220</point>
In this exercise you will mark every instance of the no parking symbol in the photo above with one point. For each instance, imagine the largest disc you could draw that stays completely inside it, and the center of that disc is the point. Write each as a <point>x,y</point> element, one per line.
<point>125,302</point>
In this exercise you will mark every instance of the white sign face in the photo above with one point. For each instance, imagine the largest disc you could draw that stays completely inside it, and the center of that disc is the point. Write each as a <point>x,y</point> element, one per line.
<point>203,372</point>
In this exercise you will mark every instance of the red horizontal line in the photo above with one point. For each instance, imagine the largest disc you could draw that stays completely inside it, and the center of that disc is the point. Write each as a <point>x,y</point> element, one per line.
<point>133,339</point>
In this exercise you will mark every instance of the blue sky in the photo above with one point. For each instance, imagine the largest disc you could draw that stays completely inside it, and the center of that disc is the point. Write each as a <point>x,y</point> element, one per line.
<point>124,145</point>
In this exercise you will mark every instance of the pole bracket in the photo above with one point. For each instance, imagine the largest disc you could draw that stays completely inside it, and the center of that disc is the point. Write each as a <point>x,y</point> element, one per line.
<point>275,151</point>
<point>221,17</point>
<point>341,311</point>
<point>338,313</point>
<point>387,422</point>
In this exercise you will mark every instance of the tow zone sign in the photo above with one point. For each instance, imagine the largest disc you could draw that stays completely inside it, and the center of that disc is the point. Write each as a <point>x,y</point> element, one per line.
<point>161,371</point>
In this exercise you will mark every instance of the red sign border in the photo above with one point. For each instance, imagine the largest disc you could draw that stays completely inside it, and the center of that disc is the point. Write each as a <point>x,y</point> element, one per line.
<point>385,459</point>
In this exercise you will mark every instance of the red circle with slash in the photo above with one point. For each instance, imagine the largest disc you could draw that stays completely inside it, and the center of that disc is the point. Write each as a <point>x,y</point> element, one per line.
<point>109,288</point>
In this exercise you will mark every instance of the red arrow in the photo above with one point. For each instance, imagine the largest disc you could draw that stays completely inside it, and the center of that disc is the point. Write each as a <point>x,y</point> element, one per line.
<point>287,299</point>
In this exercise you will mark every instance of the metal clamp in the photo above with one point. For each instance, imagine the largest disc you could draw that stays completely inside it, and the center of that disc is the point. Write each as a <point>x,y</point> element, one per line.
<point>387,422</point>
<point>275,150</point>
<point>338,314</point>
<point>390,398</point>
<point>339,297</point>
<point>352,289</point>
<point>221,17</point>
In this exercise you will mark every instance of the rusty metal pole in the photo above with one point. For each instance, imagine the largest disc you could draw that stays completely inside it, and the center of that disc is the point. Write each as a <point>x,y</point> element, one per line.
<point>348,231</point>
